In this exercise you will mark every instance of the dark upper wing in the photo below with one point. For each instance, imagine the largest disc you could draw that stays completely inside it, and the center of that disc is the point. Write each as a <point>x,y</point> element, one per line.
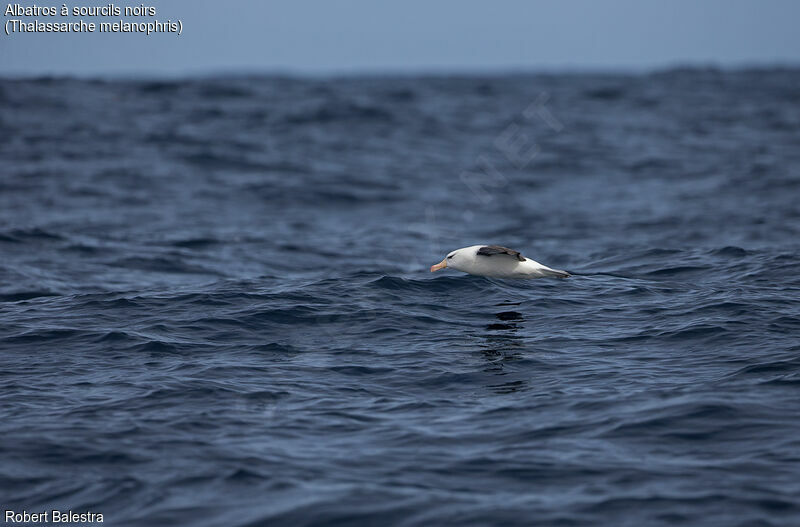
<point>489,250</point>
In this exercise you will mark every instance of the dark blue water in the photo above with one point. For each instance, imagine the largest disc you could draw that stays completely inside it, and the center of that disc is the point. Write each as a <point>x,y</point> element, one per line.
<point>216,308</point>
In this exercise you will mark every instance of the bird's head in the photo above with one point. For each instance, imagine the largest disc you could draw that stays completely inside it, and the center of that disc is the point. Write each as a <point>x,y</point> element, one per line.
<point>455,259</point>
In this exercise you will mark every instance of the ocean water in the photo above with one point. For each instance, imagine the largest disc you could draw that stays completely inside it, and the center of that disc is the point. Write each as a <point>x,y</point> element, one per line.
<point>216,307</point>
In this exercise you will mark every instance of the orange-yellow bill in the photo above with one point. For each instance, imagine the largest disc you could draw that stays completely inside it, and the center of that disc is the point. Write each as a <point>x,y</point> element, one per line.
<point>440,265</point>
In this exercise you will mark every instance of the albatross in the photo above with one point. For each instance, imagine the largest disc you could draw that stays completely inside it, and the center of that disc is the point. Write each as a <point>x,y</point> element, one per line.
<point>496,261</point>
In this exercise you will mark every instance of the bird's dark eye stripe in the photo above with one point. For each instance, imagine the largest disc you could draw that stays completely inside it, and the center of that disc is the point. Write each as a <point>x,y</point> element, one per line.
<point>450,256</point>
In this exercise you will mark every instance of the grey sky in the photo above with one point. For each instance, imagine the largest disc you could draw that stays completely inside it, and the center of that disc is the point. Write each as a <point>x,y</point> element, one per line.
<point>416,35</point>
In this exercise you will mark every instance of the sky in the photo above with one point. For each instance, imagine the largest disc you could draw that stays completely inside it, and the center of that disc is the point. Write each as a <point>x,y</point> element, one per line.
<point>368,36</point>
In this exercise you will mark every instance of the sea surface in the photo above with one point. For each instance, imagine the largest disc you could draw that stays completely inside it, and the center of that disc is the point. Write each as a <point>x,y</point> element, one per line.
<point>216,307</point>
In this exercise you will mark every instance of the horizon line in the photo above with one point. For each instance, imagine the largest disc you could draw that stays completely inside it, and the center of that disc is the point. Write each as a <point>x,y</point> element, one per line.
<point>424,71</point>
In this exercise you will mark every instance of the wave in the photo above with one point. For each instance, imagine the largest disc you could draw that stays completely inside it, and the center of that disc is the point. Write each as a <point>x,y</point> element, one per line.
<point>25,295</point>
<point>161,264</point>
<point>28,235</point>
<point>347,112</point>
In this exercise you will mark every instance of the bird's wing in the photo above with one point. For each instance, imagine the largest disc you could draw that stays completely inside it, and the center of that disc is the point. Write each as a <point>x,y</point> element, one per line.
<point>491,250</point>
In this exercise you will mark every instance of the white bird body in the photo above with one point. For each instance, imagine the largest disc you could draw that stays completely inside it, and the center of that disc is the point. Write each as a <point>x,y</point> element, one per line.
<point>497,262</point>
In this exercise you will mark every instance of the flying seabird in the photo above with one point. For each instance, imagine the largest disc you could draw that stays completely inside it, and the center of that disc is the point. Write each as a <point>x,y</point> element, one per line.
<point>497,262</point>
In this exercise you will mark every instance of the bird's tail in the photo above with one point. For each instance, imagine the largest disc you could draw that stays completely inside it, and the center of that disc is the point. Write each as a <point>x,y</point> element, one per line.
<point>555,273</point>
